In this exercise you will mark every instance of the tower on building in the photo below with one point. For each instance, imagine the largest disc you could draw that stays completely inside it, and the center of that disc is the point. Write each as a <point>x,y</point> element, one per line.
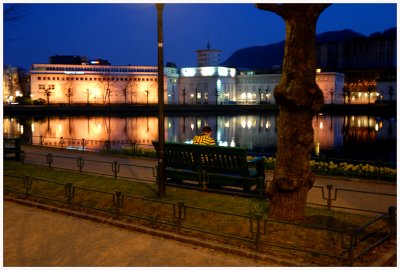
<point>208,57</point>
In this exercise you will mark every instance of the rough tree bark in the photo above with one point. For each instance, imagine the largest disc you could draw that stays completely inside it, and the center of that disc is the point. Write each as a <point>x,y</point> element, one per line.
<point>298,97</point>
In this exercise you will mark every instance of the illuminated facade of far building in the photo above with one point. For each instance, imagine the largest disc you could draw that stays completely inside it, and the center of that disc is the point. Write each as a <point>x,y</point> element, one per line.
<point>99,84</point>
<point>94,82</point>
<point>11,87</point>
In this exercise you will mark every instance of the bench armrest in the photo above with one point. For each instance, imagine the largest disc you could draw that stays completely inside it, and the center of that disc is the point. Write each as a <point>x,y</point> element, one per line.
<point>259,162</point>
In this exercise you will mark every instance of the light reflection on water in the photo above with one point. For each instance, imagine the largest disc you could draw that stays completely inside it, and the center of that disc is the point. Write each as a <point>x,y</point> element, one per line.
<point>349,137</point>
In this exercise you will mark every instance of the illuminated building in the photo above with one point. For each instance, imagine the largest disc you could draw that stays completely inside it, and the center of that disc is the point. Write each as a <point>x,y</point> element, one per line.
<point>207,85</point>
<point>210,83</point>
<point>10,84</point>
<point>96,82</point>
<point>99,84</point>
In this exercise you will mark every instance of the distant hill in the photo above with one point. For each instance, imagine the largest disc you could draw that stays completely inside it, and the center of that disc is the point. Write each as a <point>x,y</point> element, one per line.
<point>269,56</point>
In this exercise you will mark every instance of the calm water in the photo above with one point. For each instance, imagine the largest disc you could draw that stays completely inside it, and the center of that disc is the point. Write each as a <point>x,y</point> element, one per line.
<point>347,137</point>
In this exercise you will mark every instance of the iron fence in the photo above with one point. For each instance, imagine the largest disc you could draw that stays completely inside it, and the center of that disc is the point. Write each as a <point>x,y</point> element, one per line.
<point>331,196</point>
<point>85,144</point>
<point>116,169</point>
<point>254,230</point>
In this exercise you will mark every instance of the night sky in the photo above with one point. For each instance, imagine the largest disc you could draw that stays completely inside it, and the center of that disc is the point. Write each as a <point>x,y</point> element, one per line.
<point>126,33</point>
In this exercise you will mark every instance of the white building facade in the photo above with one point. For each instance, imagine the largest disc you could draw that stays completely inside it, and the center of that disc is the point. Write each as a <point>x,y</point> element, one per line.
<point>207,85</point>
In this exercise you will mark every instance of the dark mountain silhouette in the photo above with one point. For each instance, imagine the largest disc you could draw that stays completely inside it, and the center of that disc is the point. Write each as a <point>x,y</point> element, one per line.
<point>257,57</point>
<point>270,56</point>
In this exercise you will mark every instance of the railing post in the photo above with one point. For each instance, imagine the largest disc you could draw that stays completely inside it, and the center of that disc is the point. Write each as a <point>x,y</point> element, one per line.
<point>115,168</point>
<point>62,142</point>
<point>27,185</point>
<point>83,143</point>
<point>203,180</point>
<point>118,202</point>
<point>69,193</point>
<point>353,240</point>
<point>258,231</point>
<point>49,159</point>
<point>80,162</point>
<point>156,174</point>
<point>392,220</point>
<point>23,156</point>
<point>181,216</point>
<point>329,187</point>
<point>108,146</point>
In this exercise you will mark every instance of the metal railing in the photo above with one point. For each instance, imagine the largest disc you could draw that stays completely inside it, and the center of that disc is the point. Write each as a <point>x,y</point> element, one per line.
<point>257,232</point>
<point>85,144</point>
<point>87,165</point>
<point>331,196</point>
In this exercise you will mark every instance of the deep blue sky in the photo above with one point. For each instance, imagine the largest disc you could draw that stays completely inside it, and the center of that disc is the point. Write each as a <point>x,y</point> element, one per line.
<point>127,33</point>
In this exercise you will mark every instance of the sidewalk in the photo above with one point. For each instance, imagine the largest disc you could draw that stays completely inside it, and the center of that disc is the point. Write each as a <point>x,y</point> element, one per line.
<point>41,238</point>
<point>144,169</point>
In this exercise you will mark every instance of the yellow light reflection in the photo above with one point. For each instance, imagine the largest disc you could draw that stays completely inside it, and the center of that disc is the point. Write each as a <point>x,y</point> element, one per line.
<point>267,125</point>
<point>243,123</point>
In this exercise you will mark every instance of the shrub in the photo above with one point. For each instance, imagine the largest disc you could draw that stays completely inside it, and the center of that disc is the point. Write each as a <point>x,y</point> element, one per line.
<point>367,171</point>
<point>39,101</point>
<point>23,100</point>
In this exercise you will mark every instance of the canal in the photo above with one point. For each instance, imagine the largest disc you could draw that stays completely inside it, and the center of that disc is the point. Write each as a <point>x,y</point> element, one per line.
<point>355,137</point>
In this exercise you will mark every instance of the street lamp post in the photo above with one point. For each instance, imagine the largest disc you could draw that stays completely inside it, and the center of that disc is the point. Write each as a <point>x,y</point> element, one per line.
<point>147,97</point>
<point>161,136</point>
<point>87,96</point>
<point>331,92</point>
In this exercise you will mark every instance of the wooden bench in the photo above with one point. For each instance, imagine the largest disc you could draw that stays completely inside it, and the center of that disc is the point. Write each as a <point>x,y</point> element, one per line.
<point>12,149</point>
<point>213,166</point>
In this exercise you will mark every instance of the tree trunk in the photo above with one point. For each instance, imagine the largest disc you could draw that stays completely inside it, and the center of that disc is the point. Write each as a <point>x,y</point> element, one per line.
<point>298,97</point>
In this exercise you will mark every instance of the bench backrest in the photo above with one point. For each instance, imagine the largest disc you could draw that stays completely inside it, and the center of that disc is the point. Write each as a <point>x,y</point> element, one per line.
<point>213,159</point>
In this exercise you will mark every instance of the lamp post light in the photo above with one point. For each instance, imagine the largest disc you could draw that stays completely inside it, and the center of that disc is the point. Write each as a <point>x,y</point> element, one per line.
<point>161,137</point>
<point>267,95</point>
<point>217,94</point>
<point>331,92</point>
<point>369,94</point>
<point>147,96</point>
<point>87,96</point>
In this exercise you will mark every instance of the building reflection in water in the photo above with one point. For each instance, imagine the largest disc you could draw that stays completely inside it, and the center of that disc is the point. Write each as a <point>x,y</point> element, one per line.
<point>333,135</point>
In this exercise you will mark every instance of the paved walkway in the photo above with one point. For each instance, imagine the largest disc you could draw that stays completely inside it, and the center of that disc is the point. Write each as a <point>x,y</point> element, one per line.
<point>39,238</point>
<point>36,237</point>
<point>343,191</point>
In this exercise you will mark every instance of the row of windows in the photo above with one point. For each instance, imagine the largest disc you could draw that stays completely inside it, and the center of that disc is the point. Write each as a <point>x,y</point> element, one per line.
<point>268,80</point>
<point>98,69</point>
<point>43,87</point>
<point>97,79</point>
